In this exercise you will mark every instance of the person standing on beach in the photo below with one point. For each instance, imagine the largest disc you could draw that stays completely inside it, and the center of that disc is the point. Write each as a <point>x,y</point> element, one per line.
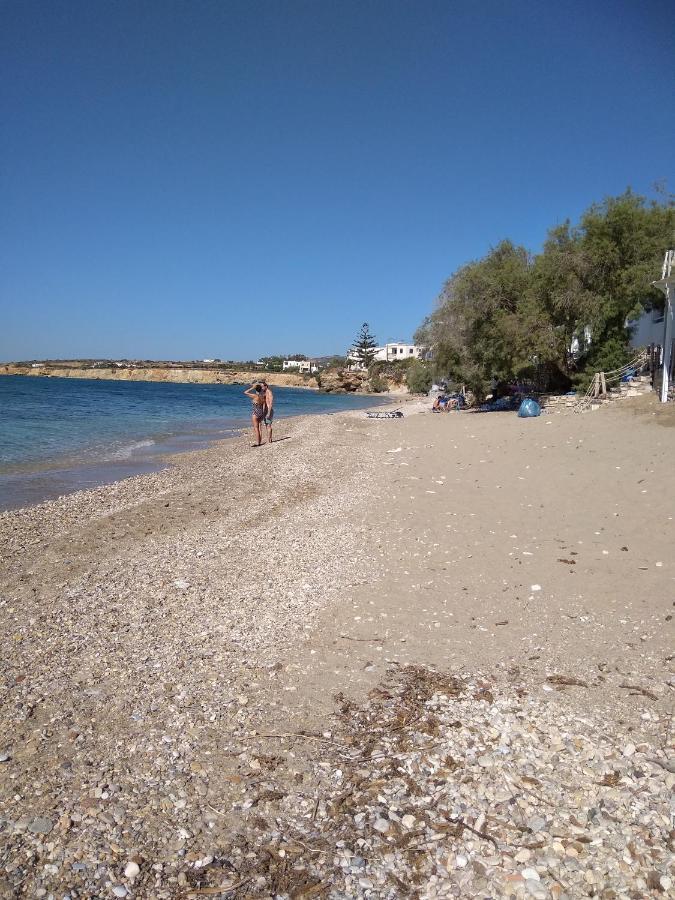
<point>269,408</point>
<point>257,397</point>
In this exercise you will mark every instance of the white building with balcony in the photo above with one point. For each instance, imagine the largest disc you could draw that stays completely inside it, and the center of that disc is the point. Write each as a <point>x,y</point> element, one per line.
<point>391,352</point>
<point>397,351</point>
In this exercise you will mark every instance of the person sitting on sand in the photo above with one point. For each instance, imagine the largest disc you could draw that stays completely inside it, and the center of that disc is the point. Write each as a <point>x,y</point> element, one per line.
<point>269,408</point>
<point>439,403</point>
<point>257,396</point>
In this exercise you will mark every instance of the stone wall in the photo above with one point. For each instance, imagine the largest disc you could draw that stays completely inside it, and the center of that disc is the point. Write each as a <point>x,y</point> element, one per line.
<point>561,402</point>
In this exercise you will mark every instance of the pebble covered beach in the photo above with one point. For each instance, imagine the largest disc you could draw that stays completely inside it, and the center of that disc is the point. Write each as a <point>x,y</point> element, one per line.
<point>426,657</point>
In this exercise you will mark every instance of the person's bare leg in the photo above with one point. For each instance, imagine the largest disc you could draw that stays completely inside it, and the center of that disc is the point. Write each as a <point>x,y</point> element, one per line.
<point>256,431</point>
<point>269,434</point>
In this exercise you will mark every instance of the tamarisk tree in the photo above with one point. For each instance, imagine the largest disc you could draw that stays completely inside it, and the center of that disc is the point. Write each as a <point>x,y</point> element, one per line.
<point>514,315</point>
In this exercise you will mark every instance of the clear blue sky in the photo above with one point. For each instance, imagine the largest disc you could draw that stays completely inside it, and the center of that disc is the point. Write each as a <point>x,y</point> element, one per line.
<point>237,178</point>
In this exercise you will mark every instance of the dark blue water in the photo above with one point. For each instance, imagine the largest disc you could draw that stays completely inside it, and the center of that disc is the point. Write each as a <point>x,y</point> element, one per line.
<point>63,434</point>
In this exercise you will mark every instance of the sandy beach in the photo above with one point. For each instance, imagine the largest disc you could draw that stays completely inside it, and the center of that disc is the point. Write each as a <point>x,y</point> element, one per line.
<point>424,657</point>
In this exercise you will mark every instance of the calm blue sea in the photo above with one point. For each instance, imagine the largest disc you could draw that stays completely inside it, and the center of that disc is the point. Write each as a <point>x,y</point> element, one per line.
<point>58,435</point>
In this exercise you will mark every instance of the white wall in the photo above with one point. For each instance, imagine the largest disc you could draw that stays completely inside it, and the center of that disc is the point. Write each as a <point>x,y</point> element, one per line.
<point>402,351</point>
<point>648,329</point>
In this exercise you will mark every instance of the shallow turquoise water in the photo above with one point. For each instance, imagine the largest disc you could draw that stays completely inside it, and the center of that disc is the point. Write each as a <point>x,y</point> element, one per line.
<point>63,434</point>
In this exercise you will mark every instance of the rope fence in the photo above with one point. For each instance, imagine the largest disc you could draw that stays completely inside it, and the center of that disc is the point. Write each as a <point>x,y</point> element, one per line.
<point>598,388</point>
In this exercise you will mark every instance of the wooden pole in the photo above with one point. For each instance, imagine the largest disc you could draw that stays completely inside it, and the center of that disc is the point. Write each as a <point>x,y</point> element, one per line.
<point>603,384</point>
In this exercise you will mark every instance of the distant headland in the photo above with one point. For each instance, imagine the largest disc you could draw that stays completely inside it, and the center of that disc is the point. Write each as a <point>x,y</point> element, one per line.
<point>331,380</point>
<point>198,372</point>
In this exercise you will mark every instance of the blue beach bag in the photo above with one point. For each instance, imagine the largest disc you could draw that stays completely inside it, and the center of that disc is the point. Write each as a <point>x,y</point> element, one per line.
<point>529,408</point>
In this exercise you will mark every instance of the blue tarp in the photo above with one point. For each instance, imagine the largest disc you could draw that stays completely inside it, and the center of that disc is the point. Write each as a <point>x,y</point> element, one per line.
<point>501,405</point>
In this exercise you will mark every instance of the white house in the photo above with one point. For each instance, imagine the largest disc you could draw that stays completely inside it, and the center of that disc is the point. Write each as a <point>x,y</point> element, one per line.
<point>580,342</point>
<point>397,351</point>
<point>390,352</point>
<point>303,366</point>
<point>648,329</point>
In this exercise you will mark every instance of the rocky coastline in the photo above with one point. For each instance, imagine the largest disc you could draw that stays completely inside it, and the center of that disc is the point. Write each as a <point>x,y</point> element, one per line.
<point>174,374</point>
<point>338,381</point>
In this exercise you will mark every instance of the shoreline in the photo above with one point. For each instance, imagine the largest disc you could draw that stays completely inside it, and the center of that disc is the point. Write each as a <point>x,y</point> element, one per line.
<point>63,478</point>
<point>177,641</point>
<point>47,480</point>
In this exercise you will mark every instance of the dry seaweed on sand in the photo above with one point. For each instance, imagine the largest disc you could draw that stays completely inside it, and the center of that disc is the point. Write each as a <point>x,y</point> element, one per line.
<point>510,794</point>
<point>566,681</point>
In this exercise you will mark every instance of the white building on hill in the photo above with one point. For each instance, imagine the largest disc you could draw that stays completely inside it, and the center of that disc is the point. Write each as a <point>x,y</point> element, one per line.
<point>397,351</point>
<point>302,366</point>
<point>391,352</point>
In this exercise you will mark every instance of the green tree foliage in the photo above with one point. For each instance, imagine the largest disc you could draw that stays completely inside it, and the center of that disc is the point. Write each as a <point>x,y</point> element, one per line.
<point>391,370</point>
<point>512,315</point>
<point>376,381</point>
<point>364,346</point>
<point>419,377</point>
<point>622,242</point>
<point>273,363</point>
<point>479,330</point>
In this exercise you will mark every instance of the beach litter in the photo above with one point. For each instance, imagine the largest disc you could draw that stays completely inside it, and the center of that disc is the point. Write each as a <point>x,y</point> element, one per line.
<point>501,404</point>
<point>389,414</point>
<point>528,409</point>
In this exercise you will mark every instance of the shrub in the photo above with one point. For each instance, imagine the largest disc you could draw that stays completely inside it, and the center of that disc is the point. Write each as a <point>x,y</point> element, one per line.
<point>392,370</point>
<point>377,383</point>
<point>418,377</point>
<point>606,357</point>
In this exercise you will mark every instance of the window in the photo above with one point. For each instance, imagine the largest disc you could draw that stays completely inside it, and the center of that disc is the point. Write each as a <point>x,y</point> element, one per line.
<point>411,350</point>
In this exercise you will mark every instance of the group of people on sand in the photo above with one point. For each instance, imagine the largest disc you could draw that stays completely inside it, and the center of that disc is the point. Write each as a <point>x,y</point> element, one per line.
<point>262,398</point>
<point>444,403</point>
